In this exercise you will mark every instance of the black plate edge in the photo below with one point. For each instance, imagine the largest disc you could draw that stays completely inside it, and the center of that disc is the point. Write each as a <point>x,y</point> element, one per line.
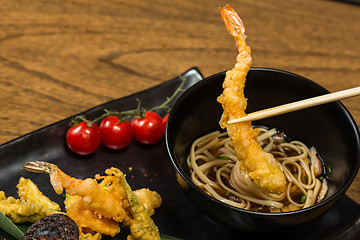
<point>192,71</point>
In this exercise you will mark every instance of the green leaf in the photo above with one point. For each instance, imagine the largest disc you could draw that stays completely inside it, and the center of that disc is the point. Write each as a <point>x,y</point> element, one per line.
<point>10,227</point>
<point>165,237</point>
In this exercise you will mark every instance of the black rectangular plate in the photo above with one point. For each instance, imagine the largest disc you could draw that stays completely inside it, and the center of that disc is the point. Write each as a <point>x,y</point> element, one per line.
<point>150,167</point>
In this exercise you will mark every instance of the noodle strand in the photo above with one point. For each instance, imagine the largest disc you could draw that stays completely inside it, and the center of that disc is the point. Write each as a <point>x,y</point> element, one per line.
<point>215,168</point>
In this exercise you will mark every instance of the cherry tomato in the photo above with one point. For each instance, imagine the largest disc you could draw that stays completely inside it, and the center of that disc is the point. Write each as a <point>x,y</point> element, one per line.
<point>164,122</point>
<point>83,139</point>
<point>148,130</point>
<point>116,134</point>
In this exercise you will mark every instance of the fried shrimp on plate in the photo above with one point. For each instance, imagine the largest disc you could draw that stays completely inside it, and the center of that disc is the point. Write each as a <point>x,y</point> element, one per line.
<point>100,204</point>
<point>258,164</point>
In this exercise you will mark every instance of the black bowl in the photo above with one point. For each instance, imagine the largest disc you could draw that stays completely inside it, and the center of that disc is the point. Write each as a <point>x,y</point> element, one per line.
<point>329,128</point>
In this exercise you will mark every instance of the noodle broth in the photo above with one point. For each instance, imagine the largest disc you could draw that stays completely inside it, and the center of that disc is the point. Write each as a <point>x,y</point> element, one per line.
<point>215,169</point>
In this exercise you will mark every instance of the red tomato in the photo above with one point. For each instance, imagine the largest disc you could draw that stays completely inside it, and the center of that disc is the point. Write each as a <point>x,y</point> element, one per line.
<point>164,122</point>
<point>83,139</point>
<point>148,130</point>
<point>116,134</point>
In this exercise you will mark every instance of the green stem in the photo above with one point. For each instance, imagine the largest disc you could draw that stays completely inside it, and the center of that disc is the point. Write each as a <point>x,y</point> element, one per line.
<point>138,112</point>
<point>165,104</point>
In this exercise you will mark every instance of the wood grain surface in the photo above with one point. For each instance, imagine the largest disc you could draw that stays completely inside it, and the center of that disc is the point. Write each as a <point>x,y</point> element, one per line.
<point>58,58</point>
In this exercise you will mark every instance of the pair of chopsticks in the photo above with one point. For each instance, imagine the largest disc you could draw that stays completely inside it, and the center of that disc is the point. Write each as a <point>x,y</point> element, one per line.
<point>291,107</point>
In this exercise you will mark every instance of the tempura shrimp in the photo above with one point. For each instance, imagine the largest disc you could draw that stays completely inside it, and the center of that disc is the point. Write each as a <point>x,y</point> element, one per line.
<point>100,204</point>
<point>107,199</point>
<point>258,164</point>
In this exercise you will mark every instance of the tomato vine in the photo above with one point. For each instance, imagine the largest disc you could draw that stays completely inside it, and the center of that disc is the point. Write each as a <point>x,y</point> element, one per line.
<point>116,129</point>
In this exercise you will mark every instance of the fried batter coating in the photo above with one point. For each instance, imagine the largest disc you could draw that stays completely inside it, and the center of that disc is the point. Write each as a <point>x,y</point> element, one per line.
<point>258,164</point>
<point>100,204</point>
<point>142,227</point>
<point>32,205</point>
<point>107,198</point>
<point>150,199</point>
<point>84,217</point>
<point>28,191</point>
<point>89,236</point>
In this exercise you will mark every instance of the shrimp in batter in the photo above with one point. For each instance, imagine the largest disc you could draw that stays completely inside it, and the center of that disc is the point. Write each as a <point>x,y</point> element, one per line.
<point>107,198</point>
<point>101,206</point>
<point>258,164</point>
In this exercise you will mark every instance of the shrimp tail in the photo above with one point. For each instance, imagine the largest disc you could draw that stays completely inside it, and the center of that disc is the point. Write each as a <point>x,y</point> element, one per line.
<point>58,179</point>
<point>37,167</point>
<point>233,23</point>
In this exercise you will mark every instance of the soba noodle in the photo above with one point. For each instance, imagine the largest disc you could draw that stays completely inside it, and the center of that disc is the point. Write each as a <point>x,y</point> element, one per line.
<point>215,168</point>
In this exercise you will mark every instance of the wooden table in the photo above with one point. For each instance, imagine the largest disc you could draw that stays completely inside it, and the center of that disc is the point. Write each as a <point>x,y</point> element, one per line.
<point>59,58</point>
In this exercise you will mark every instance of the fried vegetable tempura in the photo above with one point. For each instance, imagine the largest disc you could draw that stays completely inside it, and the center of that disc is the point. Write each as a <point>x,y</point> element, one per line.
<point>27,190</point>
<point>150,199</point>
<point>32,205</point>
<point>100,204</point>
<point>141,225</point>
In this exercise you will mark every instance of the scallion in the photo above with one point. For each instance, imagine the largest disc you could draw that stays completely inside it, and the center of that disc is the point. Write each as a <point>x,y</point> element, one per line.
<point>306,179</point>
<point>10,227</point>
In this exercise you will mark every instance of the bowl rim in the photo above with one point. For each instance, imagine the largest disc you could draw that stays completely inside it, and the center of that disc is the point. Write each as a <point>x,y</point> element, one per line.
<point>339,193</point>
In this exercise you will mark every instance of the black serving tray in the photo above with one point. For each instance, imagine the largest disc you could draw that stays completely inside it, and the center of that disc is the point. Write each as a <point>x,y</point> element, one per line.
<point>150,167</point>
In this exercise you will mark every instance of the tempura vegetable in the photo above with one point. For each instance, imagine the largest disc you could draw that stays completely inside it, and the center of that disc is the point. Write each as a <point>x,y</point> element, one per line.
<point>32,205</point>
<point>150,199</point>
<point>100,204</point>
<point>141,225</point>
<point>28,191</point>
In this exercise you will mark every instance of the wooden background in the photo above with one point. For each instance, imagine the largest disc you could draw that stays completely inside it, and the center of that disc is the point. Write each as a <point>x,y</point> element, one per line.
<point>59,58</point>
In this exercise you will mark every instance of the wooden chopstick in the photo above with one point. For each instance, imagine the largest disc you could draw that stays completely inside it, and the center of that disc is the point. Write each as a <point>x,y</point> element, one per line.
<point>291,107</point>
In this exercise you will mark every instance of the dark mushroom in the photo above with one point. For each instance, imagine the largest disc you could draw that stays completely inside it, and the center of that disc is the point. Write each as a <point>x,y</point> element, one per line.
<point>316,162</point>
<point>53,227</point>
<point>323,191</point>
